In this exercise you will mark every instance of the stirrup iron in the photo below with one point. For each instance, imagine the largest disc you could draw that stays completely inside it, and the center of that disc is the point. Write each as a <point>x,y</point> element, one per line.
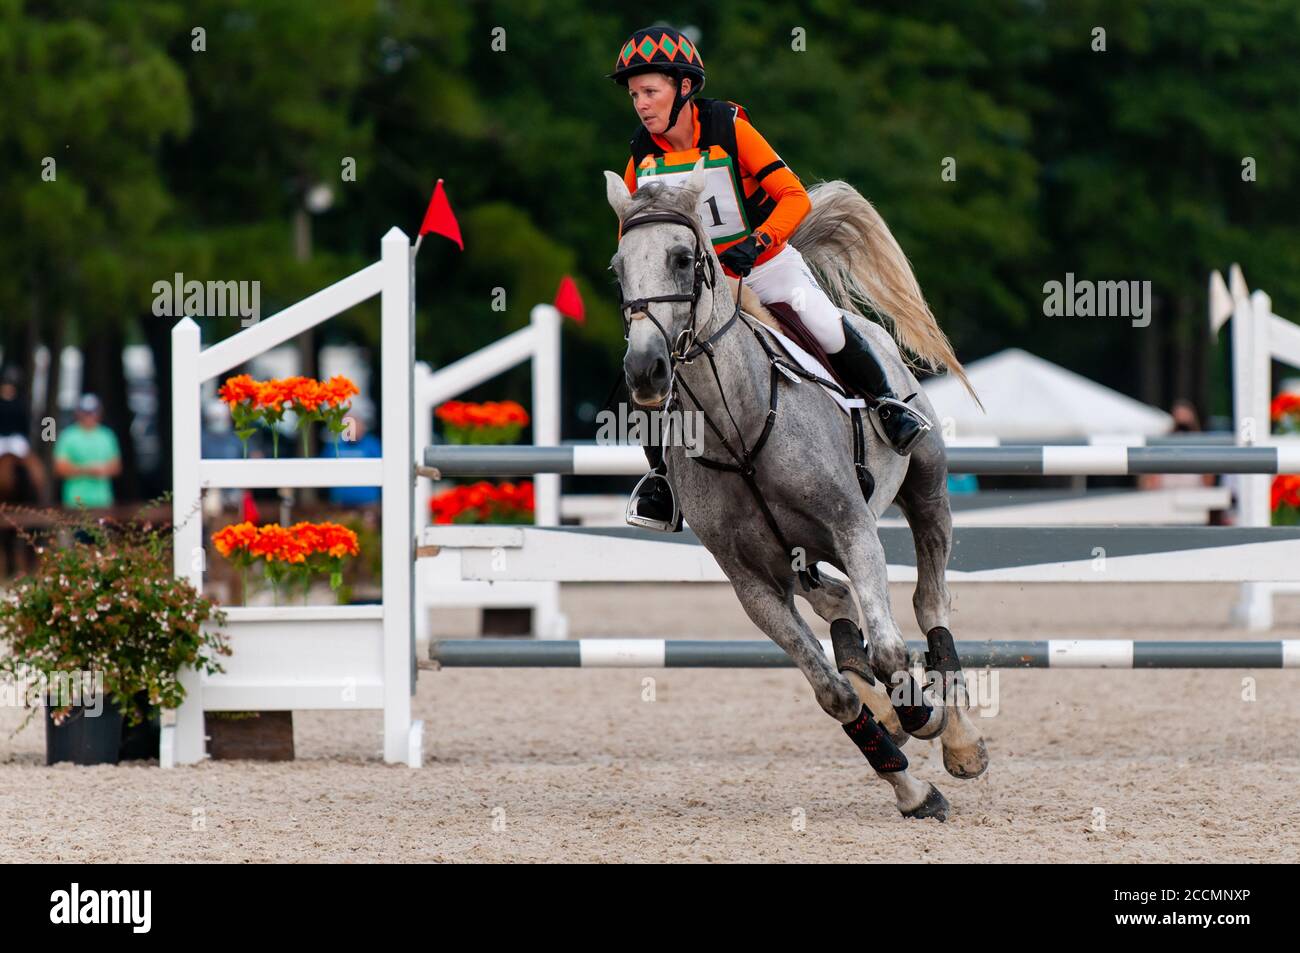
<point>893,405</point>
<point>674,522</point>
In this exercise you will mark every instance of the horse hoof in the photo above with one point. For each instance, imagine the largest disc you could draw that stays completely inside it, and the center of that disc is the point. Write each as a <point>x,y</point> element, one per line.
<point>967,763</point>
<point>935,805</point>
<point>929,732</point>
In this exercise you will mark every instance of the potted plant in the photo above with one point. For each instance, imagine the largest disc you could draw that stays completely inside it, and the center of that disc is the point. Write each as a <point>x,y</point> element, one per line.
<point>103,627</point>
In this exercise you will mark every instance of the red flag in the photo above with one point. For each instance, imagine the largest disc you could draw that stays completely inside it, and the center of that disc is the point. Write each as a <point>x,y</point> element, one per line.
<point>248,506</point>
<point>440,219</point>
<point>568,302</point>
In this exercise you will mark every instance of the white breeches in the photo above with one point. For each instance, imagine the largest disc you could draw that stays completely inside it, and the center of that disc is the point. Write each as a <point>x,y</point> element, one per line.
<point>15,444</point>
<point>787,277</point>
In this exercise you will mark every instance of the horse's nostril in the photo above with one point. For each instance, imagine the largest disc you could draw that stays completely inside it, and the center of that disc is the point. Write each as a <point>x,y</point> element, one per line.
<point>660,367</point>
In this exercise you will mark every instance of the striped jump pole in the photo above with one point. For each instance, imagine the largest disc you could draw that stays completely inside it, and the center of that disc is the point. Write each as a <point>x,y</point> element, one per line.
<point>1005,460</point>
<point>687,653</point>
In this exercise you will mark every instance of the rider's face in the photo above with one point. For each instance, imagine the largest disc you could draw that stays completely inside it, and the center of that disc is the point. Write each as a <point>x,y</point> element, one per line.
<point>652,98</point>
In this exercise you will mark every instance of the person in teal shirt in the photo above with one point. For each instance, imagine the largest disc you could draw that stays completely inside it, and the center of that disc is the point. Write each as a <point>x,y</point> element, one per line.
<point>87,457</point>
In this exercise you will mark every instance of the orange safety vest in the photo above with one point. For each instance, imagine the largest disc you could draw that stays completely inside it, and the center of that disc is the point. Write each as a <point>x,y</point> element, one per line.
<point>728,214</point>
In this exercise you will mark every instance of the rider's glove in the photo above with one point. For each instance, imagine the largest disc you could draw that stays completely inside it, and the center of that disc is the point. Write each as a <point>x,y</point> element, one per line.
<point>741,256</point>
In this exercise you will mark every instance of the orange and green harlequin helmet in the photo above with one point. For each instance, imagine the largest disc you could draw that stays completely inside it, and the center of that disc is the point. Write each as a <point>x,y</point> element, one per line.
<point>659,49</point>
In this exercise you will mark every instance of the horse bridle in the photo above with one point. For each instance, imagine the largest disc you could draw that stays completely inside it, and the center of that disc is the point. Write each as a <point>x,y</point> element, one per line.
<point>687,346</point>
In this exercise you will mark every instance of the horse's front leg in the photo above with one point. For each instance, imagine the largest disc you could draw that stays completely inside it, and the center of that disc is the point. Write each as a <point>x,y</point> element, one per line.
<point>774,612</point>
<point>833,601</point>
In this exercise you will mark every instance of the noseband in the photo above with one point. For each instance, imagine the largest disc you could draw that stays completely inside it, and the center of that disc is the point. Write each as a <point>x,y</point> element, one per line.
<point>687,347</point>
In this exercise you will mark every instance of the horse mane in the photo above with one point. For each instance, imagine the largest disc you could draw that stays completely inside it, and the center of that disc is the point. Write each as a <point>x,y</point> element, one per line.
<point>658,197</point>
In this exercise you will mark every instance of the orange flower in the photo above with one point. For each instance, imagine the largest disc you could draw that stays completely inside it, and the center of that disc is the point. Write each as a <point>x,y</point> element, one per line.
<point>272,394</point>
<point>307,536</point>
<point>305,393</point>
<point>238,389</point>
<point>234,538</point>
<point>276,543</point>
<point>339,541</point>
<point>337,390</point>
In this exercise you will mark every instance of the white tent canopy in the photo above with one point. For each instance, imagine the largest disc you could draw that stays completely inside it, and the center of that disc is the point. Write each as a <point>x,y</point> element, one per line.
<point>1027,398</point>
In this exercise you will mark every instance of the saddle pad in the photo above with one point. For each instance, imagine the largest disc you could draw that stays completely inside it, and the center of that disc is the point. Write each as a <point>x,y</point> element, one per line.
<point>809,363</point>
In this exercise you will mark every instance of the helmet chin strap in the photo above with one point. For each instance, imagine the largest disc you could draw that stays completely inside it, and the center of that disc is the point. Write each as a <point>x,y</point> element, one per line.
<point>678,103</point>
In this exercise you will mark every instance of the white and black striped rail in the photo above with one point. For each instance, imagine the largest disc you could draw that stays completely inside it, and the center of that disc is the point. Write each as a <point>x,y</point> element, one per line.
<point>1004,460</point>
<point>687,653</point>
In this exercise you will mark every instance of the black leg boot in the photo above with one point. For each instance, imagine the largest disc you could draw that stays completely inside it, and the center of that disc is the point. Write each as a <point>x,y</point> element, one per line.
<point>653,504</point>
<point>898,424</point>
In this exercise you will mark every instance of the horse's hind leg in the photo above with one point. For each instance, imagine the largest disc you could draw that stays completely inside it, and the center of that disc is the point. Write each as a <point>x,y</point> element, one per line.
<point>774,612</point>
<point>833,601</point>
<point>923,498</point>
<point>863,560</point>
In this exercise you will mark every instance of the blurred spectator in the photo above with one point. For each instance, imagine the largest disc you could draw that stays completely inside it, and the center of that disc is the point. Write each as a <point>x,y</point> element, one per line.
<point>22,477</point>
<point>1186,420</point>
<point>87,457</point>
<point>14,420</point>
<point>362,444</point>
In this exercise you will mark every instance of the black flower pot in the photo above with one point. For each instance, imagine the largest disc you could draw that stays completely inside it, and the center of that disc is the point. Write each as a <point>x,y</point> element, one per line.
<point>86,736</point>
<point>140,742</point>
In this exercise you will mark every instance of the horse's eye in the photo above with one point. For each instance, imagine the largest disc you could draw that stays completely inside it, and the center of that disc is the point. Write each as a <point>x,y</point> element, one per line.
<point>682,261</point>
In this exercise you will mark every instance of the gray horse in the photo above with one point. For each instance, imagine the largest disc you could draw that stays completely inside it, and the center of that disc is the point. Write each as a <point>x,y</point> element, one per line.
<point>805,471</point>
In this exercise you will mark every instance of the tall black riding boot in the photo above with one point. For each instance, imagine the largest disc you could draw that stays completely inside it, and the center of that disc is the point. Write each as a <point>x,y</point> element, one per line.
<point>653,504</point>
<point>899,424</point>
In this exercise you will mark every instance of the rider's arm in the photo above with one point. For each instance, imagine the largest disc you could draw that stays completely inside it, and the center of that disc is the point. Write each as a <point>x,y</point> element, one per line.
<point>759,160</point>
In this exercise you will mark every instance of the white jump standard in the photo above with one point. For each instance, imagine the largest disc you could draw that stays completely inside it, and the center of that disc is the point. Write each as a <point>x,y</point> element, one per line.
<point>313,657</point>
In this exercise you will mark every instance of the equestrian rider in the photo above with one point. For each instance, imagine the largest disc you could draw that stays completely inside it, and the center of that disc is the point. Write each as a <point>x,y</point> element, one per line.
<point>663,73</point>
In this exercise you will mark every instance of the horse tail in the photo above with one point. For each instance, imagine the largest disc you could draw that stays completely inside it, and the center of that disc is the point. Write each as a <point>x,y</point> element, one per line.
<point>860,265</point>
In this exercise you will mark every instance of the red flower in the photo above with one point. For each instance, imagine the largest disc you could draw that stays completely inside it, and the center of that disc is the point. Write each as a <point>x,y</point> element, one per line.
<point>1285,491</point>
<point>1284,404</point>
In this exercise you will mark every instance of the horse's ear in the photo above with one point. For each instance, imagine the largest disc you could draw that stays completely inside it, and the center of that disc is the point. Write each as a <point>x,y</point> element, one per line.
<point>616,191</point>
<point>695,182</point>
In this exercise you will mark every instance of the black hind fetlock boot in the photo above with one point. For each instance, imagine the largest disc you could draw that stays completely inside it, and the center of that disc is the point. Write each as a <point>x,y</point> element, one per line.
<point>898,423</point>
<point>653,504</point>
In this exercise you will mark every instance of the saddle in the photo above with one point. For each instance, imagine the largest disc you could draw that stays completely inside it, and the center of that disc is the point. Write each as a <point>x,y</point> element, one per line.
<point>782,317</point>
